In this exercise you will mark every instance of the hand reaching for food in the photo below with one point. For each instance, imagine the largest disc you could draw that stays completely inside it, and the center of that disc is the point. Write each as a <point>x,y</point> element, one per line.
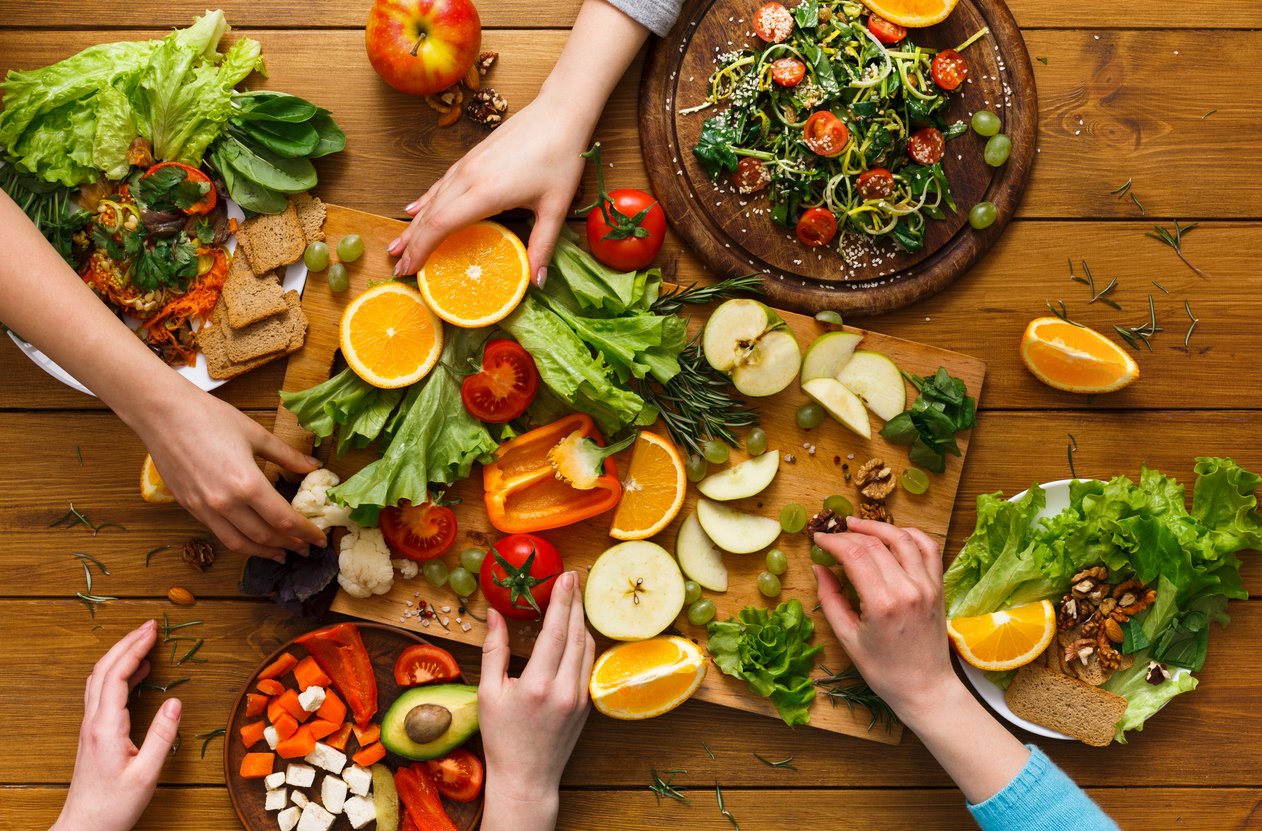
<point>113,779</point>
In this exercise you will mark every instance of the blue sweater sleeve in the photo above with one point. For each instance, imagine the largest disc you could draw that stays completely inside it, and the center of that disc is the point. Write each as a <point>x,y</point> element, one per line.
<point>1041,798</point>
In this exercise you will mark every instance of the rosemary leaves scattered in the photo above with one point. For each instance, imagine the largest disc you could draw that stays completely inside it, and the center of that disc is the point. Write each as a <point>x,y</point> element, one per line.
<point>79,454</point>
<point>783,763</point>
<point>663,788</point>
<point>708,751</point>
<point>179,740</point>
<point>157,550</point>
<point>718,797</point>
<point>209,737</point>
<point>697,405</point>
<point>694,294</point>
<point>1208,114</point>
<point>1195,320</point>
<point>850,689</point>
<point>1164,290</point>
<point>93,600</point>
<point>1070,450</point>
<point>74,517</point>
<point>88,558</point>
<point>1042,59</point>
<point>1123,189</point>
<point>1089,282</point>
<point>1175,241</point>
<point>155,687</point>
<point>1135,335</point>
<point>1138,204</point>
<point>1062,314</point>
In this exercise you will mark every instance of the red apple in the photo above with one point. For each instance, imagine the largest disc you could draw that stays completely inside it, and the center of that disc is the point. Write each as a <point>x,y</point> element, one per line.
<point>422,47</point>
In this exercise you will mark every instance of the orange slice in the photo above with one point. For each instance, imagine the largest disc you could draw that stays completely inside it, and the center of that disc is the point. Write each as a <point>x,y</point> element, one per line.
<point>476,276</point>
<point>653,490</point>
<point>1004,640</point>
<point>152,488</point>
<point>912,13</point>
<point>643,679</point>
<point>1075,358</point>
<point>389,337</point>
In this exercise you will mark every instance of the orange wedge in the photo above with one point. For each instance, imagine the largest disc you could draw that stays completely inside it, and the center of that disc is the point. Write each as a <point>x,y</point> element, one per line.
<point>643,679</point>
<point>152,488</point>
<point>653,490</point>
<point>1075,358</point>
<point>476,276</point>
<point>1004,640</point>
<point>914,14</point>
<point>389,337</point>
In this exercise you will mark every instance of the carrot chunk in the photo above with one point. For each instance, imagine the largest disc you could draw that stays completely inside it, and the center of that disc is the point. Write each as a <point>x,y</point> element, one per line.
<point>286,725</point>
<point>257,765</point>
<point>289,701</point>
<point>270,686</point>
<point>252,733</point>
<point>321,728</point>
<point>309,674</point>
<point>255,704</point>
<point>332,709</point>
<point>367,735</point>
<point>299,744</point>
<point>279,667</point>
<point>338,738</point>
<point>370,755</point>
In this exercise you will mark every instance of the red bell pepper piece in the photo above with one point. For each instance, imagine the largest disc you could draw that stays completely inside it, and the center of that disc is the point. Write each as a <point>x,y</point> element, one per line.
<point>340,652</point>
<point>422,803</point>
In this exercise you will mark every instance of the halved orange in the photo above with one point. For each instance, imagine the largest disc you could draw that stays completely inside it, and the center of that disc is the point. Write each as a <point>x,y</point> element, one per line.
<point>1075,358</point>
<point>389,337</point>
<point>653,490</point>
<point>912,13</point>
<point>1006,639</point>
<point>476,276</point>
<point>643,679</point>
<point>152,488</point>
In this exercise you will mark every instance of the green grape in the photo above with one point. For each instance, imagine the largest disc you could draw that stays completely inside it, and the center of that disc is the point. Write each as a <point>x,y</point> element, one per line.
<point>997,150</point>
<point>715,452</point>
<point>820,557</point>
<point>471,559</point>
<point>316,256</point>
<point>338,279</point>
<point>829,316</point>
<point>756,441</point>
<point>777,563</point>
<point>983,215</point>
<point>810,415</point>
<point>701,612</point>
<point>692,591</point>
<point>462,582</point>
<point>768,584</point>
<point>986,123</point>
<point>435,572</point>
<point>915,480</point>
<point>696,468</point>
<point>350,248</point>
<point>792,518</point>
<point>839,505</point>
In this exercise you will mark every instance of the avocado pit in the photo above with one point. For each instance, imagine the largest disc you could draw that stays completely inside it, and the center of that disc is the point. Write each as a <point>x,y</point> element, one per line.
<point>425,723</point>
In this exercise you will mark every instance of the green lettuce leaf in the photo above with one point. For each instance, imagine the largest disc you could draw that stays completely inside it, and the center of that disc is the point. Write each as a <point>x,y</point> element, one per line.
<point>115,130</point>
<point>356,409</point>
<point>634,346</point>
<point>1143,700</point>
<point>593,286</point>
<point>1000,544</point>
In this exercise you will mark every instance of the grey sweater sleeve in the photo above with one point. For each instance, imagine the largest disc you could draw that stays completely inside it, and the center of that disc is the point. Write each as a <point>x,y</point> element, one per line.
<point>655,15</point>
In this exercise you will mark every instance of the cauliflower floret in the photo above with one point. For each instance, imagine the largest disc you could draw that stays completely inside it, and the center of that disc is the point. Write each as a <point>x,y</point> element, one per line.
<point>364,563</point>
<point>312,500</point>
<point>407,568</point>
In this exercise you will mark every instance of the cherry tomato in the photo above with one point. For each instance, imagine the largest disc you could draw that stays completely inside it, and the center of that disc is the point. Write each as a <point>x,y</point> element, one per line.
<point>773,22</point>
<point>885,31</point>
<point>458,775</point>
<point>633,240</point>
<point>517,591</point>
<point>926,146</point>
<point>751,175</point>
<point>191,174</point>
<point>505,385</point>
<point>949,69</point>
<point>425,664</point>
<point>825,134</point>
<point>817,227</point>
<point>418,532</point>
<point>788,72</point>
<point>876,183</point>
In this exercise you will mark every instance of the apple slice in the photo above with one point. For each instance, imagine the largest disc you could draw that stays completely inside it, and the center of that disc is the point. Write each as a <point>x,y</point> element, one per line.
<point>698,557</point>
<point>634,591</point>
<point>749,342</point>
<point>735,530</point>
<point>841,404</point>
<point>742,480</point>
<point>875,378</point>
<point>828,355</point>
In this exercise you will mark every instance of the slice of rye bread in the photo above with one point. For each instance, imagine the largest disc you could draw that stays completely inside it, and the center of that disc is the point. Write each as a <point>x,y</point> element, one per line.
<point>248,299</point>
<point>1053,699</point>
<point>311,214</point>
<point>283,333</point>
<point>218,364</point>
<point>272,241</point>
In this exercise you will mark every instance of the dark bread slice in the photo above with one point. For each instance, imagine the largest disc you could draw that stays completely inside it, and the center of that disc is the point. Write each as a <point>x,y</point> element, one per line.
<point>272,241</point>
<point>218,364</point>
<point>1053,699</point>
<point>282,333</point>
<point>311,213</point>
<point>249,299</point>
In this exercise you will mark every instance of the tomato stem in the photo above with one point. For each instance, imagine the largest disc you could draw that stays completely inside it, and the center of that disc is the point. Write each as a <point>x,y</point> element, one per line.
<point>620,225</point>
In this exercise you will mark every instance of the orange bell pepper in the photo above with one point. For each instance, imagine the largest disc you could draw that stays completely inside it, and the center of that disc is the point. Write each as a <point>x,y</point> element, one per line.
<point>524,491</point>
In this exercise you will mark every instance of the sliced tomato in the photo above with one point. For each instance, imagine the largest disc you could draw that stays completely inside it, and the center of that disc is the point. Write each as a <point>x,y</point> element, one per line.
<point>788,72</point>
<point>419,532</point>
<point>949,69</point>
<point>876,183</point>
<point>751,175</point>
<point>458,775</point>
<point>884,30</point>
<point>817,227</point>
<point>926,146</point>
<point>425,664</point>
<point>505,385</point>
<point>825,134</point>
<point>773,22</point>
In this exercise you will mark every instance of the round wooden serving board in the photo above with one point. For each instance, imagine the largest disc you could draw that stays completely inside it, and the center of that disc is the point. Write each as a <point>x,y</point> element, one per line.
<point>384,643</point>
<point>734,234</point>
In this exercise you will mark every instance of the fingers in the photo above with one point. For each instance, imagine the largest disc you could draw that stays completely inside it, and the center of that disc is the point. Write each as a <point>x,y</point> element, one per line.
<point>576,642</point>
<point>901,543</point>
<point>141,673</point>
<point>122,659</point>
<point>550,647</point>
<point>543,238</point>
<point>158,741</point>
<point>931,554</point>
<point>255,528</point>
<point>280,517</point>
<point>116,676</point>
<point>841,617</point>
<point>864,559</point>
<point>443,215</point>
<point>494,650</point>
<point>275,450</point>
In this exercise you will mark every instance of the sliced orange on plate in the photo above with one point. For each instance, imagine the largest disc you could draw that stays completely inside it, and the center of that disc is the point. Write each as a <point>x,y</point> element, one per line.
<point>652,491</point>
<point>152,488</point>
<point>476,276</point>
<point>1075,358</point>
<point>1005,639</point>
<point>643,679</point>
<point>389,336</point>
<point>914,14</point>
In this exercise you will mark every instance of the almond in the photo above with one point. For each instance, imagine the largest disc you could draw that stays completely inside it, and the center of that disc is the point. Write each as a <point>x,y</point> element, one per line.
<point>181,596</point>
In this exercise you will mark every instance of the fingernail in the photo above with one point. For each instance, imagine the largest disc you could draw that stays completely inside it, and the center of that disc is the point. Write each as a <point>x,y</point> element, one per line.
<point>149,624</point>
<point>394,243</point>
<point>411,206</point>
<point>492,618</point>
<point>303,549</point>
<point>171,708</point>
<point>398,268</point>
<point>541,277</point>
<point>312,460</point>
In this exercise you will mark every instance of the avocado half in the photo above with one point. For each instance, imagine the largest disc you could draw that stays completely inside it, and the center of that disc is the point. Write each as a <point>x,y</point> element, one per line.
<point>433,704</point>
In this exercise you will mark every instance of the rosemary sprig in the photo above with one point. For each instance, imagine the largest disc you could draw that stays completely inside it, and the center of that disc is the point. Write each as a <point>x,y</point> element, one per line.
<point>1139,204</point>
<point>74,517</point>
<point>1208,114</point>
<point>90,559</point>
<point>157,550</point>
<point>694,294</point>
<point>188,656</point>
<point>849,688</point>
<point>1123,189</point>
<point>1135,335</point>
<point>1062,314</point>
<point>1175,241</point>
<point>79,454</point>
<point>718,797</point>
<point>696,405</point>
<point>1070,449</point>
<point>1089,282</point>
<point>1195,320</point>
<point>167,687</point>
<point>168,627</point>
<point>1164,290</point>
<point>179,740</point>
<point>783,763</point>
<point>92,600</point>
<point>708,751</point>
<point>663,788</point>
<point>1041,59</point>
<point>209,737</point>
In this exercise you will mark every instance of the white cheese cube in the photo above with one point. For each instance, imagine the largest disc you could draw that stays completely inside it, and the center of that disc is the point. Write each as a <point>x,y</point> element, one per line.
<point>315,818</point>
<point>300,776</point>
<point>274,780</point>
<point>311,699</point>
<point>271,736</point>
<point>327,758</point>
<point>300,799</point>
<point>358,779</point>
<point>360,811</point>
<point>333,794</point>
<point>277,798</point>
<point>288,818</point>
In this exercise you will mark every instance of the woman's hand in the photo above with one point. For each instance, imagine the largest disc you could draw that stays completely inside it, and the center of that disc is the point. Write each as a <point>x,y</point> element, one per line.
<point>113,779</point>
<point>530,724</point>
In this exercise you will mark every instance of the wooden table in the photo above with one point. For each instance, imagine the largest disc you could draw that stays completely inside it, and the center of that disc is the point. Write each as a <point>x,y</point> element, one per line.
<point>1124,92</point>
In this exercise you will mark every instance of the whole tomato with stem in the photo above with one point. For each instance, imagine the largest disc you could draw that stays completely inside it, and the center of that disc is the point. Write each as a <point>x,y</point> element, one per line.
<point>422,47</point>
<point>625,227</point>
<point>518,574</point>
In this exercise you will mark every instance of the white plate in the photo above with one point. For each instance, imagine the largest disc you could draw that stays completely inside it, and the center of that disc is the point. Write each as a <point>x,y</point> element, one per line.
<point>295,279</point>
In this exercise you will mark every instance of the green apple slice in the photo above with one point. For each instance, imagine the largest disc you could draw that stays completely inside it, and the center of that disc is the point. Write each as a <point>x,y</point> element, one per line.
<point>698,557</point>
<point>735,530</point>
<point>634,591</point>
<point>745,479</point>
<point>748,341</point>
<point>828,355</point>
<point>841,404</point>
<point>875,378</point>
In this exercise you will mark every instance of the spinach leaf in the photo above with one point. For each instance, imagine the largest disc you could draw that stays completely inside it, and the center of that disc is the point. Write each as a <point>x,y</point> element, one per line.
<point>332,139</point>
<point>942,408</point>
<point>880,142</point>
<point>821,68</point>
<point>807,14</point>
<point>274,106</point>
<point>907,237</point>
<point>265,168</point>
<point>714,148</point>
<point>955,130</point>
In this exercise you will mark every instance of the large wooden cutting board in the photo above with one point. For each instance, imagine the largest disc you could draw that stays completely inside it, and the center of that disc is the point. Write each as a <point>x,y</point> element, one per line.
<point>807,480</point>
<point>734,234</point>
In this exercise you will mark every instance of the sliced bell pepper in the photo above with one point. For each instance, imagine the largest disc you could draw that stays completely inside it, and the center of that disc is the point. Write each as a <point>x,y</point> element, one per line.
<point>421,800</point>
<point>337,739</point>
<point>524,488</point>
<point>340,652</point>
